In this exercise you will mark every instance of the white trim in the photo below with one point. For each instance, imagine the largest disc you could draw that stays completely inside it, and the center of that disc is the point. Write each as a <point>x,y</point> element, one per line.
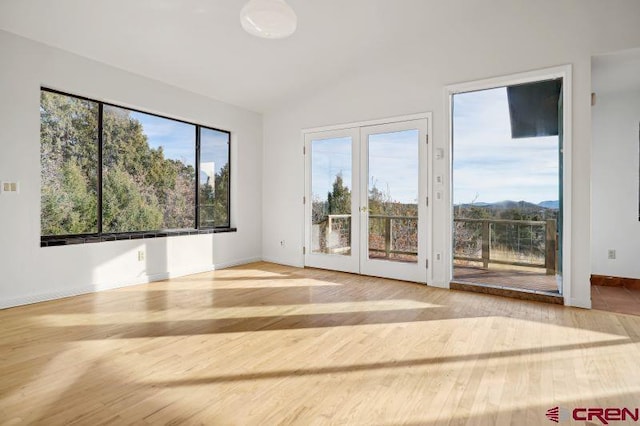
<point>272,259</point>
<point>564,72</point>
<point>578,303</point>
<point>510,80</point>
<point>97,287</point>
<point>340,263</point>
<point>357,124</point>
<point>429,176</point>
<point>230,264</point>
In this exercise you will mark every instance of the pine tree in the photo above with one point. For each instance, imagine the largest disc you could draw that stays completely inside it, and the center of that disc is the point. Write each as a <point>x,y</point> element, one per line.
<point>339,199</point>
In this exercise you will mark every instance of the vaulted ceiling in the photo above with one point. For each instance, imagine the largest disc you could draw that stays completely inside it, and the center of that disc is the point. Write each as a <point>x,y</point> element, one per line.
<point>199,45</point>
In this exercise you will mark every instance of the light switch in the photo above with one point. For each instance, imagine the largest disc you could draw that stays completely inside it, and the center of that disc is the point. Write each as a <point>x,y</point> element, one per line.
<point>9,187</point>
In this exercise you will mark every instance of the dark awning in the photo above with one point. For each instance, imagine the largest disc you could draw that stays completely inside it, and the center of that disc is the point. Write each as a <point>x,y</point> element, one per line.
<point>533,108</point>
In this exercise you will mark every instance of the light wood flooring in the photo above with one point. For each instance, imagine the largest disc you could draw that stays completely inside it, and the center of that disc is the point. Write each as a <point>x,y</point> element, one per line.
<point>265,344</point>
<point>616,299</point>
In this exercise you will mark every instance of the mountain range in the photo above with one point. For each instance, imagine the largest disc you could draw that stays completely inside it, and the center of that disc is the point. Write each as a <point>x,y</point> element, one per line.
<point>508,204</point>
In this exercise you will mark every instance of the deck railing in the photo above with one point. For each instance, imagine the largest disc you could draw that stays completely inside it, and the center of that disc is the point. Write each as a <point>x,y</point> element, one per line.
<point>528,243</point>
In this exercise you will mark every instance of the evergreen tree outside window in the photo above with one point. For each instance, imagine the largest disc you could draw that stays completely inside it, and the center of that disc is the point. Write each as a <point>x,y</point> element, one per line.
<point>214,178</point>
<point>148,171</point>
<point>111,170</point>
<point>69,165</point>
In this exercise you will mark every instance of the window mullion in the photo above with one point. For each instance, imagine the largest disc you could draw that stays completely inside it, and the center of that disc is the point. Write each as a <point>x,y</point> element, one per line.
<point>100,165</point>
<point>197,199</point>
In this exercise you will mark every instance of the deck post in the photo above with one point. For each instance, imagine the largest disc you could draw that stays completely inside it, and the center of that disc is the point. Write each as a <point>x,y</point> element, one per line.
<point>387,236</point>
<point>486,250</point>
<point>550,247</point>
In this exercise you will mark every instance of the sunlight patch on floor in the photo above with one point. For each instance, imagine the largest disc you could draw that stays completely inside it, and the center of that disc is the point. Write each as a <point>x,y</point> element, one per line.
<point>241,312</point>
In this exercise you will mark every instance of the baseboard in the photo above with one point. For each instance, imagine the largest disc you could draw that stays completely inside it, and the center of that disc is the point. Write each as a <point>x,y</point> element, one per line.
<point>233,263</point>
<point>610,281</point>
<point>280,262</point>
<point>44,297</point>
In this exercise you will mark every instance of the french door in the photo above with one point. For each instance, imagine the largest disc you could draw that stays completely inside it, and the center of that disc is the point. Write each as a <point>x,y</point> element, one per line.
<point>366,200</point>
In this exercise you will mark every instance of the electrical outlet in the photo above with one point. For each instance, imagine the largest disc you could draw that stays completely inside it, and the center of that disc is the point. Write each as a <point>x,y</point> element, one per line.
<point>140,255</point>
<point>611,254</point>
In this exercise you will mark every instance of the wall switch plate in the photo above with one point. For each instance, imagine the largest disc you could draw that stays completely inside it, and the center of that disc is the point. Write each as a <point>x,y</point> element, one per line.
<point>9,187</point>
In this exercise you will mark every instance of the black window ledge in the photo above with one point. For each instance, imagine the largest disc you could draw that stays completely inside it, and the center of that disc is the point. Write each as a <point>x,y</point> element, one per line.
<point>53,241</point>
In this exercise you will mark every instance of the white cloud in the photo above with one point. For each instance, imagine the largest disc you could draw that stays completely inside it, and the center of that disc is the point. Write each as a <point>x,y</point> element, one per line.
<point>488,165</point>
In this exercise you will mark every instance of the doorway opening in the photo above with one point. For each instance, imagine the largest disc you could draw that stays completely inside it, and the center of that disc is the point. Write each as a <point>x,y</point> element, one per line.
<point>507,186</point>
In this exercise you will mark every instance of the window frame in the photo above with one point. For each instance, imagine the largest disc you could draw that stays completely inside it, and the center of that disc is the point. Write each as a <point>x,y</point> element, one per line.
<point>198,153</point>
<point>55,240</point>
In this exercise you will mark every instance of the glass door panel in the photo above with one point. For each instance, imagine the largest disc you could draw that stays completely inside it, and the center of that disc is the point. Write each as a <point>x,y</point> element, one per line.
<point>394,200</point>
<point>393,196</point>
<point>331,201</point>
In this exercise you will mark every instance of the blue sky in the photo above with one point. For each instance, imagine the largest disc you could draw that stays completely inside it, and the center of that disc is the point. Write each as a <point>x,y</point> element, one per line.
<point>214,147</point>
<point>178,140</point>
<point>393,164</point>
<point>489,166</point>
<point>329,158</point>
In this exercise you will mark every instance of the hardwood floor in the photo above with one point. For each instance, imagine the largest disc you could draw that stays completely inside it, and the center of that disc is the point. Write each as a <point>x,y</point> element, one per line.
<point>269,344</point>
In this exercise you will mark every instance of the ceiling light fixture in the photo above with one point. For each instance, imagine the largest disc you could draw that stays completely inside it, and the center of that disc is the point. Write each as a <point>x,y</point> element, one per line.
<point>268,18</point>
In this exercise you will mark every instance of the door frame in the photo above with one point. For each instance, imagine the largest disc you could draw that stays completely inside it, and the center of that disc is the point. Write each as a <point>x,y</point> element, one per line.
<point>344,263</point>
<point>415,272</point>
<point>365,123</point>
<point>564,72</point>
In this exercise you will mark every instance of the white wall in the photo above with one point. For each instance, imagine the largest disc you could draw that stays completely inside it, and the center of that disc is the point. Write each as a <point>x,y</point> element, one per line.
<point>615,225</point>
<point>520,36</point>
<point>29,272</point>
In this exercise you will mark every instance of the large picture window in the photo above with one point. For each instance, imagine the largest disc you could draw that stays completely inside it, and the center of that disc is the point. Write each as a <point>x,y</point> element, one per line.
<point>108,170</point>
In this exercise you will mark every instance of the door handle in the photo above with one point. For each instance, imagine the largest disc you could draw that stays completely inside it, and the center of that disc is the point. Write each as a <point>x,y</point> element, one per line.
<point>363,209</point>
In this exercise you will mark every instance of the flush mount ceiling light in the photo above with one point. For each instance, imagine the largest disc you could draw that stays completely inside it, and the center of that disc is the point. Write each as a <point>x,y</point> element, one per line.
<point>268,18</point>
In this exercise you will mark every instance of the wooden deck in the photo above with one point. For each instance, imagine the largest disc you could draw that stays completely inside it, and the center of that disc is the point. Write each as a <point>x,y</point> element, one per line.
<point>506,278</point>
<point>268,344</point>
